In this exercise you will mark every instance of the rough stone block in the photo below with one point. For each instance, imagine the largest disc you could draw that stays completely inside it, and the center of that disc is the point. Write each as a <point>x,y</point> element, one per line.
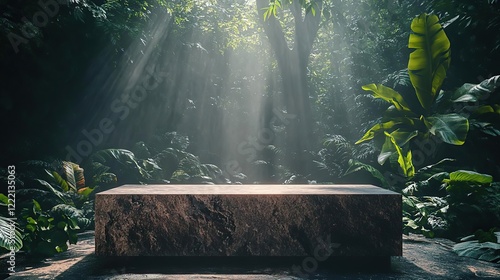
<point>248,220</point>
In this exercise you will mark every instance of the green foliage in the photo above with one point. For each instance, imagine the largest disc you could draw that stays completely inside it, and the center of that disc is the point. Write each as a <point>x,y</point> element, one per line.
<point>478,21</point>
<point>482,246</point>
<point>480,102</point>
<point>10,234</point>
<point>451,128</point>
<point>6,231</point>
<point>54,207</point>
<point>272,10</point>
<point>165,160</point>
<point>49,232</point>
<point>451,204</point>
<point>70,212</point>
<point>310,6</point>
<point>339,161</point>
<point>404,122</point>
<point>187,168</point>
<point>430,60</point>
<point>123,163</point>
<point>463,180</point>
<point>425,215</point>
<point>207,42</point>
<point>355,166</point>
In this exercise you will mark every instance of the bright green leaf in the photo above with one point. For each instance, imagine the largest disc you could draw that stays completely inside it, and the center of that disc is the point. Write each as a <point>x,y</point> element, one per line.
<point>389,95</point>
<point>3,199</point>
<point>404,158</point>
<point>430,60</point>
<point>370,134</point>
<point>486,251</point>
<point>470,177</point>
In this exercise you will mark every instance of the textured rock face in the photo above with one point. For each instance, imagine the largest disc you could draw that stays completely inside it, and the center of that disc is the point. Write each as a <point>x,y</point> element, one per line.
<point>248,220</point>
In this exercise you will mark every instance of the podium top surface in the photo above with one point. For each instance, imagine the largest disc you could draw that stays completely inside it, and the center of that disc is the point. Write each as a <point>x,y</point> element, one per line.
<point>256,189</point>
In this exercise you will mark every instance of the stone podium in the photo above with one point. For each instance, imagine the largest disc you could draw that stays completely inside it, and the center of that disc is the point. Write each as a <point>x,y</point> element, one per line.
<point>248,221</point>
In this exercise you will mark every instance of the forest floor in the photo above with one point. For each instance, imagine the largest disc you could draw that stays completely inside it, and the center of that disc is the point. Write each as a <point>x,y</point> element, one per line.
<point>422,259</point>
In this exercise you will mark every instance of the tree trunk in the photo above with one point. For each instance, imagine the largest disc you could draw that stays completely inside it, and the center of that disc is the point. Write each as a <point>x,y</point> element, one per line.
<point>292,63</point>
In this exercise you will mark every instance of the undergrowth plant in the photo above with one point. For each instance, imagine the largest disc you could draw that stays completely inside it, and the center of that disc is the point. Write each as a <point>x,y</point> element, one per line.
<point>446,198</point>
<point>405,121</point>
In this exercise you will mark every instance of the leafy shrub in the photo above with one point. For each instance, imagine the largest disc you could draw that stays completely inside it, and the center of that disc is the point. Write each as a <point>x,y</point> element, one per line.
<point>337,157</point>
<point>450,204</point>
<point>405,121</point>
<point>48,232</point>
<point>165,160</point>
<point>481,245</point>
<point>52,220</point>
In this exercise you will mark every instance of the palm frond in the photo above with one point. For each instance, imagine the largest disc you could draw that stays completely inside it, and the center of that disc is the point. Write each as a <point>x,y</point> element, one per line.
<point>10,235</point>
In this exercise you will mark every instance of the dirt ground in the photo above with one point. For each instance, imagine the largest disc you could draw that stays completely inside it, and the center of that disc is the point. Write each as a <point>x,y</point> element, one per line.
<point>422,259</point>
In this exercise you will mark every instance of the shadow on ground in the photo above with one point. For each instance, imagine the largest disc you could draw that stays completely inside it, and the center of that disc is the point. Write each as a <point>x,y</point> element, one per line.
<point>422,259</point>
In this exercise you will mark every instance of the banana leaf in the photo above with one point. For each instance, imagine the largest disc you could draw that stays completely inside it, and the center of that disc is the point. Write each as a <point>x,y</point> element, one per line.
<point>451,128</point>
<point>404,157</point>
<point>430,60</point>
<point>385,126</point>
<point>401,139</point>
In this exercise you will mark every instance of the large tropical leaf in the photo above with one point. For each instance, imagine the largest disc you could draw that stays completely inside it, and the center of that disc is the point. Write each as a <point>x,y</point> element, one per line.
<point>486,251</point>
<point>467,181</point>
<point>431,58</point>
<point>68,171</point>
<point>486,87</point>
<point>53,191</point>
<point>73,174</point>
<point>121,156</point>
<point>355,166</point>
<point>405,160</point>
<point>389,95</point>
<point>470,177</point>
<point>451,128</point>
<point>72,213</point>
<point>10,236</point>
<point>123,159</point>
<point>58,180</point>
<point>401,138</point>
<point>378,128</point>
<point>473,93</point>
<point>385,126</point>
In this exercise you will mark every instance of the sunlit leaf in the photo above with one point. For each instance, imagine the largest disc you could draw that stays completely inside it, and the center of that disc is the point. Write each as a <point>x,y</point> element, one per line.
<point>430,60</point>
<point>3,199</point>
<point>484,109</point>
<point>470,177</point>
<point>380,127</point>
<point>404,157</point>
<point>389,95</point>
<point>85,191</point>
<point>59,180</point>
<point>401,138</point>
